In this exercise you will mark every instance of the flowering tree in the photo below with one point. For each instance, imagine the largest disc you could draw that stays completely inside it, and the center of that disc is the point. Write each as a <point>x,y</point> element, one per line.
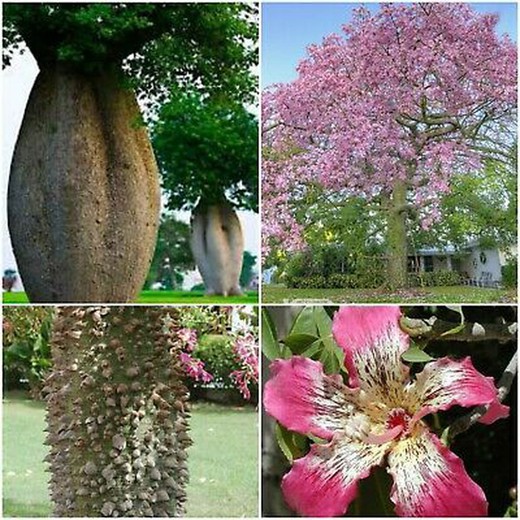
<point>375,415</point>
<point>388,111</point>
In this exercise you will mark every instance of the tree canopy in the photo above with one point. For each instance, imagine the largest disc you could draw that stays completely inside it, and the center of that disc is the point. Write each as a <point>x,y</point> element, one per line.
<point>207,149</point>
<point>211,47</point>
<point>404,95</point>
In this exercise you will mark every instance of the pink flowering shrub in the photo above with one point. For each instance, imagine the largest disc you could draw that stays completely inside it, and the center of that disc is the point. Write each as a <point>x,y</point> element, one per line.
<point>193,367</point>
<point>246,353</point>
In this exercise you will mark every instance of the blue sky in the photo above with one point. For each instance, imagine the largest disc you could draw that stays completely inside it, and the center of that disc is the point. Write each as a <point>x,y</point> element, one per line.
<point>288,28</point>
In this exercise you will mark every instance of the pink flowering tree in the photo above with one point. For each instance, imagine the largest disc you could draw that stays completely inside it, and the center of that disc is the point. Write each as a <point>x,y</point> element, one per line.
<point>362,393</point>
<point>388,110</point>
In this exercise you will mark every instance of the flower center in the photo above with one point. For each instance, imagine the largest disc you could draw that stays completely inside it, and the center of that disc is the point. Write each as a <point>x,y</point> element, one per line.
<point>398,417</point>
<point>397,425</point>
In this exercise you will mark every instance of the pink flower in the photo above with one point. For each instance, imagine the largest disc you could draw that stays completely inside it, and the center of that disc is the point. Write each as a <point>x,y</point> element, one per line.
<point>377,418</point>
<point>194,368</point>
<point>188,338</point>
<point>246,353</point>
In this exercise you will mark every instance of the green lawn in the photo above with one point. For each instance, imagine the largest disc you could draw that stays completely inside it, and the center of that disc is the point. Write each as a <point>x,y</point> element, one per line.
<point>159,297</point>
<point>456,294</point>
<point>223,461</point>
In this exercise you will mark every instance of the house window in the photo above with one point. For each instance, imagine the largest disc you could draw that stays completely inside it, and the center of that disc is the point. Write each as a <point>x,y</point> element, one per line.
<point>428,264</point>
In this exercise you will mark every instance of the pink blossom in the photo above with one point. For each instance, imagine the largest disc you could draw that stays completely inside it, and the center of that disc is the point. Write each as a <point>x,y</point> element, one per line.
<point>376,419</point>
<point>188,338</point>
<point>246,353</point>
<point>194,368</point>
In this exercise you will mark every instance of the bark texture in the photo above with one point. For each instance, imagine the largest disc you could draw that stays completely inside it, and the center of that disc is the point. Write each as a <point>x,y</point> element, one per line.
<point>117,413</point>
<point>218,248</point>
<point>397,239</point>
<point>83,199</point>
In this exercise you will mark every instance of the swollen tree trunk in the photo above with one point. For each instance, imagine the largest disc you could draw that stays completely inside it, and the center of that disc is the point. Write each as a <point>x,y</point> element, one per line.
<point>217,244</point>
<point>397,240</point>
<point>83,199</point>
<point>117,413</point>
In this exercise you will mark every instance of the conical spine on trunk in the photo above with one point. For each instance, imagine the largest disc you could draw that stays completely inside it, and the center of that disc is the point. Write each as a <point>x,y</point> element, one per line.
<point>117,413</point>
<point>84,196</point>
<point>217,244</point>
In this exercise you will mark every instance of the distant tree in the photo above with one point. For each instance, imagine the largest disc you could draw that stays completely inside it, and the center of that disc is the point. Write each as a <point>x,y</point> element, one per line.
<point>247,269</point>
<point>172,255</point>
<point>9,279</point>
<point>207,150</point>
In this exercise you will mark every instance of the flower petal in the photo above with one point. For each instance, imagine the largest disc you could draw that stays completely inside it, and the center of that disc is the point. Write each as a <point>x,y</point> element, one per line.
<point>324,482</point>
<point>496,411</point>
<point>444,383</point>
<point>306,400</point>
<point>373,343</point>
<point>430,480</point>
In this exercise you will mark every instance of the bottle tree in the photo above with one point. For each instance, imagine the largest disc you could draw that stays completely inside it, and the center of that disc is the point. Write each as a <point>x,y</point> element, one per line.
<point>388,110</point>
<point>83,200</point>
<point>207,151</point>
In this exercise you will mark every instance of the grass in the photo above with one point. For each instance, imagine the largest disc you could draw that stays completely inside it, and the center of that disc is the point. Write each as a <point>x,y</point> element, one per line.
<point>223,460</point>
<point>456,294</point>
<point>157,297</point>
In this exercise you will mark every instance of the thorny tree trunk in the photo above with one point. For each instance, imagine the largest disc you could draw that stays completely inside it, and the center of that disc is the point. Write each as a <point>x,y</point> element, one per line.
<point>218,248</point>
<point>397,240</point>
<point>117,413</point>
<point>83,200</point>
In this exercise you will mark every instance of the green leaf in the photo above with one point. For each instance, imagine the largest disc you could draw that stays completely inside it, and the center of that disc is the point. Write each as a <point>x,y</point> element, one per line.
<point>415,355</point>
<point>299,342</point>
<point>292,444</point>
<point>313,349</point>
<point>270,346</point>
<point>445,436</point>
<point>323,322</point>
<point>331,364</point>
<point>305,323</point>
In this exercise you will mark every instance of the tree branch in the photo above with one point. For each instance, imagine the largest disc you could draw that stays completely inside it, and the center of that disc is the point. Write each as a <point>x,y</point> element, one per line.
<point>434,328</point>
<point>504,386</point>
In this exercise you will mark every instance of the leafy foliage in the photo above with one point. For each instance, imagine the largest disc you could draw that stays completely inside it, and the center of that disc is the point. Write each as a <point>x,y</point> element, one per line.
<point>331,267</point>
<point>247,272</point>
<point>510,274</point>
<point>310,336</point>
<point>26,349</point>
<point>207,149</point>
<point>159,45</point>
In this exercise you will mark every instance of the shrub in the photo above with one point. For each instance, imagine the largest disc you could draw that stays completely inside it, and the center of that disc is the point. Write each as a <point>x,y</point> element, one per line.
<point>509,274</point>
<point>341,281</point>
<point>441,278</point>
<point>446,278</point>
<point>216,352</point>
<point>26,348</point>
<point>316,281</point>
